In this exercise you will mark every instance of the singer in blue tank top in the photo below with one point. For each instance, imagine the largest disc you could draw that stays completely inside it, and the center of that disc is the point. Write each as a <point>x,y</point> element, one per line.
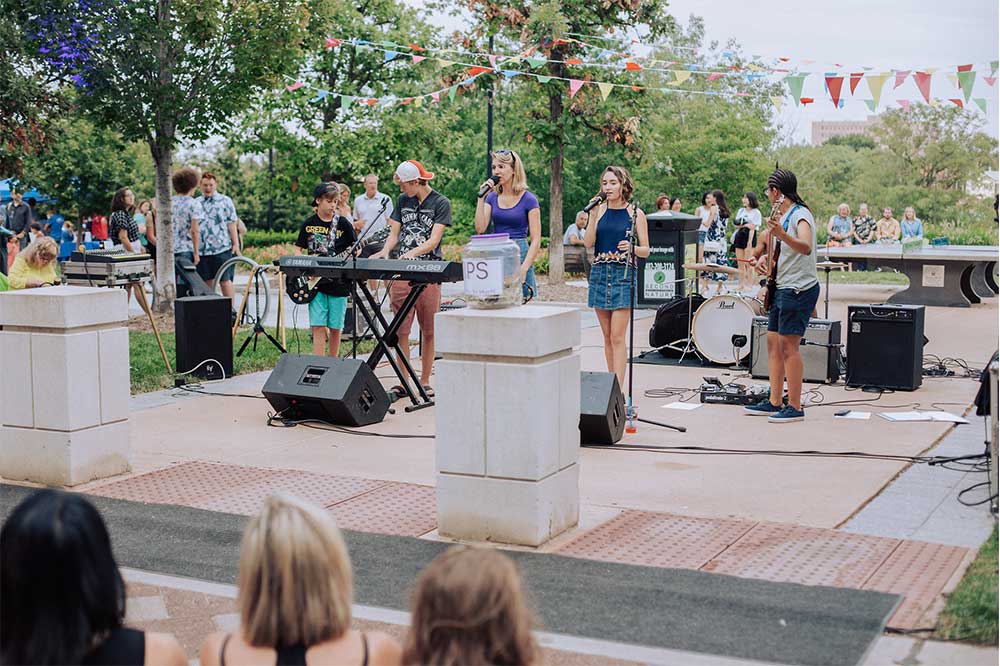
<point>616,229</point>
<point>514,211</point>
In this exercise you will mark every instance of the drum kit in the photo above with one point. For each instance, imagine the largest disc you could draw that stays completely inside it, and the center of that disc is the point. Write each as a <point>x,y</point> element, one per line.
<point>718,330</point>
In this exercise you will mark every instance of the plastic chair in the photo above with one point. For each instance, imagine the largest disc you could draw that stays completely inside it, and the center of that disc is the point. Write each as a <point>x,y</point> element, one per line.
<point>941,240</point>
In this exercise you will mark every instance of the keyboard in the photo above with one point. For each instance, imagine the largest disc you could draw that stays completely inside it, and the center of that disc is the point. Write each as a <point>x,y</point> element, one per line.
<point>372,269</point>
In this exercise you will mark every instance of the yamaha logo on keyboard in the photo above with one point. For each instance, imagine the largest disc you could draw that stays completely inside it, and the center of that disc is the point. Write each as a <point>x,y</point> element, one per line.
<point>426,267</point>
<point>296,261</point>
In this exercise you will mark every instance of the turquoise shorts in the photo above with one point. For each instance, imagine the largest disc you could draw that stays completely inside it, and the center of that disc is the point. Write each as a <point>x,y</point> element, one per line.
<point>326,310</point>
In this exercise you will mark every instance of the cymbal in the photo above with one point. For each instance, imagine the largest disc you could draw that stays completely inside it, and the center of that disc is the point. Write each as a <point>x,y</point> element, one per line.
<point>828,265</point>
<point>714,268</point>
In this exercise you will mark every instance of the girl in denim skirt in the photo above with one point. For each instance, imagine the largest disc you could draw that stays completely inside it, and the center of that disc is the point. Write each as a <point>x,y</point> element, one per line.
<point>610,226</point>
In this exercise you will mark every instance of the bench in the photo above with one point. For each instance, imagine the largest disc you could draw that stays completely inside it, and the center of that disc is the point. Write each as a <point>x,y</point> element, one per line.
<point>576,259</point>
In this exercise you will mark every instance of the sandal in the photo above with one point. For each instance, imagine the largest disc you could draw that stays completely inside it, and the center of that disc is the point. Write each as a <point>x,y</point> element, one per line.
<point>397,392</point>
<point>429,391</point>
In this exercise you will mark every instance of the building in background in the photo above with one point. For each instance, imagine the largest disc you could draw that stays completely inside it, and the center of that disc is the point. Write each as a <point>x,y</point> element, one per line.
<point>825,130</point>
<point>987,187</point>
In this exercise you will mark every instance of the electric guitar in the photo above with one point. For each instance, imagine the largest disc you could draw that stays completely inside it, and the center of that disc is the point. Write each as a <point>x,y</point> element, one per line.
<point>302,289</point>
<point>773,252</point>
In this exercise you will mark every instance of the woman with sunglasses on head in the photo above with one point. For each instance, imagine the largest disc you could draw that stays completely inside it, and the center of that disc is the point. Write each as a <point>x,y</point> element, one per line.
<point>610,230</point>
<point>514,210</point>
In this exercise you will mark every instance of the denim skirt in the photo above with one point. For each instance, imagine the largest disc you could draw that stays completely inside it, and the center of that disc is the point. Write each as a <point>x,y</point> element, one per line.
<point>609,286</point>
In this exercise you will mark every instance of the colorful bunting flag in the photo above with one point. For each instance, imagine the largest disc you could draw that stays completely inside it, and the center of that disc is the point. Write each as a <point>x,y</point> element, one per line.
<point>953,77</point>
<point>543,79</point>
<point>681,76</point>
<point>436,96</point>
<point>981,103</point>
<point>795,82</point>
<point>389,56</point>
<point>493,61</point>
<point>445,63</point>
<point>714,75</point>
<point>806,100</point>
<point>900,78</point>
<point>872,105</point>
<point>777,101</point>
<point>331,43</point>
<point>855,80</point>
<point>574,86</point>
<point>957,102</point>
<point>834,85</point>
<point>632,67</point>
<point>905,103</point>
<point>294,86</point>
<point>923,81</point>
<point>990,80</point>
<point>574,61</point>
<point>476,71</point>
<point>417,58</point>
<point>452,92</point>
<point>993,67</point>
<point>875,85</point>
<point>535,61</point>
<point>966,81</point>
<point>964,68</point>
<point>418,101</point>
<point>510,73</point>
<point>605,89</point>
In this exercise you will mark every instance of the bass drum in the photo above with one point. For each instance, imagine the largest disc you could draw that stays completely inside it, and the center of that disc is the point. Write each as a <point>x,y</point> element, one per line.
<point>716,323</point>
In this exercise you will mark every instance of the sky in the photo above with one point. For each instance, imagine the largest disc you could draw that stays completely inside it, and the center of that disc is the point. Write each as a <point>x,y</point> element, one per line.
<point>882,34</point>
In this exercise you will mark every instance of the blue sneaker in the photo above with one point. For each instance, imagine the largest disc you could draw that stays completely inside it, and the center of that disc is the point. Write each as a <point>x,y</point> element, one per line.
<point>787,415</point>
<point>762,408</point>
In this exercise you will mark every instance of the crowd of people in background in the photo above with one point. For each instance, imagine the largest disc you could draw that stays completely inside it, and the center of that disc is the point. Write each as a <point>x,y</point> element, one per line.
<point>64,599</point>
<point>843,230</point>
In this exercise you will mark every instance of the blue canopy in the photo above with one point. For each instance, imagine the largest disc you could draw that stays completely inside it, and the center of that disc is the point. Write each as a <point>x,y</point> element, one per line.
<point>5,196</point>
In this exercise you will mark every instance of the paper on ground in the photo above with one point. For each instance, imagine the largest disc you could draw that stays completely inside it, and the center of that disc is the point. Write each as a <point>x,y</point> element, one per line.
<point>686,406</point>
<point>922,416</point>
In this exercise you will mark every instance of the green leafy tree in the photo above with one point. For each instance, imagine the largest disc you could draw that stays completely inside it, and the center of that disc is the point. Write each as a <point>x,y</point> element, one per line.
<point>157,70</point>
<point>855,141</point>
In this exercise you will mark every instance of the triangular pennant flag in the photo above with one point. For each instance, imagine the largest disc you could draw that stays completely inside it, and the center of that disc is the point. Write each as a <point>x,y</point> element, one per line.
<point>417,58</point>
<point>416,47</point>
<point>872,105</point>
<point>957,102</point>
<point>981,103</point>
<point>953,78</point>
<point>445,63</point>
<point>574,86</point>
<point>418,101</point>
<point>875,84</point>
<point>347,100</point>
<point>294,86</point>
<point>331,43</point>
<point>632,66</point>
<point>493,61</point>
<point>834,85</point>
<point>452,92</point>
<point>993,67</point>
<point>714,75</point>
<point>777,101</point>
<point>990,80</point>
<point>605,89</point>
<point>806,100</point>
<point>574,61</point>
<point>900,77</point>
<point>543,79</point>
<point>436,96</point>
<point>682,76</point>
<point>318,98</point>
<point>923,81</point>
<point>389,56</point>
<point>905,103</point>
<point>795,82</point>
<point>535,61</point>
<point>855,80</point>
<point>841,104</point>
<point>510,73</point>
<point>966,82</point>
<point>475,71</point>
<point>964,68</point>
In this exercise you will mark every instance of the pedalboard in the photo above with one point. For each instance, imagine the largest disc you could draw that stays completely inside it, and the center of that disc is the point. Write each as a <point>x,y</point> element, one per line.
<point>714,392</point>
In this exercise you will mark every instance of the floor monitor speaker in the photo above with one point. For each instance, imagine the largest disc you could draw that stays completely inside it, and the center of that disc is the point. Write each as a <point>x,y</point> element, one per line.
<point>204,337</point>
<point>343,391</point>
<point>602,408</point>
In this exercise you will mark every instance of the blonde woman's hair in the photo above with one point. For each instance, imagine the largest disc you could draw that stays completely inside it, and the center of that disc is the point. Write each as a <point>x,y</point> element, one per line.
<point>37,251</point>
<point>295,581</point>
<point>519,181</point>
<point>469,608</point>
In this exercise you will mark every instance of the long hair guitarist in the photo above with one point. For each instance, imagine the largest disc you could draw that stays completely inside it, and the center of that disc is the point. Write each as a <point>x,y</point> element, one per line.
<point>792,292</point>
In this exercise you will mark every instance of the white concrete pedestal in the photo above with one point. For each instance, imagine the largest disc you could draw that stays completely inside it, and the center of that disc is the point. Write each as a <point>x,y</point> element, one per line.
<point>64,394</point>
<point>508,414</point>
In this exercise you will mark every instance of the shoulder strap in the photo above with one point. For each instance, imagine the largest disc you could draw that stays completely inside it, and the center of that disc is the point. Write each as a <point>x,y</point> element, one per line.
<point>222,650</point>
<point>364,646</point>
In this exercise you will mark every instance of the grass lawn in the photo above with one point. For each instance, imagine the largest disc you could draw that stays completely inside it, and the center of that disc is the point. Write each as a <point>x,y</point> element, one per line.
<point>971,612</point>
<point>865,277</point>
<point>148,373</point>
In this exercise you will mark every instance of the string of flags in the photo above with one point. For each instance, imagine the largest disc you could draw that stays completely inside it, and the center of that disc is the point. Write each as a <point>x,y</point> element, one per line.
<point>963,78</point>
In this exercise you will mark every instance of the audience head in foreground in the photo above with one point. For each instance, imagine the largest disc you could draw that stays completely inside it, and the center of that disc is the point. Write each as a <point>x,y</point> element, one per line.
<point>469,608</point>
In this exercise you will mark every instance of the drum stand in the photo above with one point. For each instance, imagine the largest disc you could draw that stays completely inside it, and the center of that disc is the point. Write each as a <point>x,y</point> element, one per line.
<point>688,341</point>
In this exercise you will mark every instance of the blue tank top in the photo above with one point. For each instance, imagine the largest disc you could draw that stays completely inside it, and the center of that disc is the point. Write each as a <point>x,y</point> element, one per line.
<point>611,230</point>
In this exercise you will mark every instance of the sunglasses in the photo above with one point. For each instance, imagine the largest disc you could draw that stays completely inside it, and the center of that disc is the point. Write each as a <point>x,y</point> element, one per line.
<point>505,153</point>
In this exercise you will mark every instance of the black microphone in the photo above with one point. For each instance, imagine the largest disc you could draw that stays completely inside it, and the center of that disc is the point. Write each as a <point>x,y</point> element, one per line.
<point>600,198</point>
<point>491,182</point>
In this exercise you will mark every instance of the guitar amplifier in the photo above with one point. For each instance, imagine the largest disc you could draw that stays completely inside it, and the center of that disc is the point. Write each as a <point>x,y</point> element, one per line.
<point>885,346</point>
<point>820,353</point>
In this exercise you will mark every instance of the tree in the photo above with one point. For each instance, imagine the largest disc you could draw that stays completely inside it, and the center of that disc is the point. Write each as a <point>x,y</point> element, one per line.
<point>159,69</point>
<point>855,141</point>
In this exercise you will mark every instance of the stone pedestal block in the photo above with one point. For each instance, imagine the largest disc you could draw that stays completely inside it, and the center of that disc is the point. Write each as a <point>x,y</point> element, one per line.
<point>65,395</point>
<point>508,412</point>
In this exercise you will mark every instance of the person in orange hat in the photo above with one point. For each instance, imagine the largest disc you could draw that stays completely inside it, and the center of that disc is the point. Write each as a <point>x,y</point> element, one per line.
<point>417,224</point>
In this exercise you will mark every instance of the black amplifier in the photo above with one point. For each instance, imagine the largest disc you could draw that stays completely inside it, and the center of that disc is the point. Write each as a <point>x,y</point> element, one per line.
<point>885,346</point>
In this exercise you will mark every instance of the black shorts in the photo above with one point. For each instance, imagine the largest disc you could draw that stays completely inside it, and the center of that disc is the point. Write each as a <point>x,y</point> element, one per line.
<point>209,265</point>
<point>744,238</point>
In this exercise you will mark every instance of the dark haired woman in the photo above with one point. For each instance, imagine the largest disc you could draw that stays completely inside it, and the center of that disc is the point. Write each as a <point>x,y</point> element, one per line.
<point>714,245</point>
<point>610,227</point>
<point>124,230</point>
<point>63,597</point>
<point>675,204</point>
<point>793,228</point>
<point>748,221</point>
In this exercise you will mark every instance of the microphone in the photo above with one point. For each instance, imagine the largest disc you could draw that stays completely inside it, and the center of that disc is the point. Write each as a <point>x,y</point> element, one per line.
<point>600,198</point>
<point>490,183</point>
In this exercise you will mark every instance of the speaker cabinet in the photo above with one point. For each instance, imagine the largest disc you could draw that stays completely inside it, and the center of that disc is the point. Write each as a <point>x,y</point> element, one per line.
<point>602,408</point>
<point>203,333</point>
<point>885,346</point>
<point>820,353</point>
<point>343,391</point>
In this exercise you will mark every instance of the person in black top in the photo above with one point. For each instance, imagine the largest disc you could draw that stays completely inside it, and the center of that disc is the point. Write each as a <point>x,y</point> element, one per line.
<point>326,234</point>
<point>124,230</point>
<point>63,597</point>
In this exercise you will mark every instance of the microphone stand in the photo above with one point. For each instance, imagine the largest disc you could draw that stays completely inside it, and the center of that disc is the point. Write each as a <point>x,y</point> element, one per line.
<point>358,242</point>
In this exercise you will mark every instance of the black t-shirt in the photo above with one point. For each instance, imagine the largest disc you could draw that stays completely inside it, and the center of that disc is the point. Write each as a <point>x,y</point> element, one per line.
<point>417,219</point>
<point>316,237</point>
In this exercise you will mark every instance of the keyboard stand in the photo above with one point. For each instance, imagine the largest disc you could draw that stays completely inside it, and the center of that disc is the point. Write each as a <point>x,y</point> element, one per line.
<point>387,339</point>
